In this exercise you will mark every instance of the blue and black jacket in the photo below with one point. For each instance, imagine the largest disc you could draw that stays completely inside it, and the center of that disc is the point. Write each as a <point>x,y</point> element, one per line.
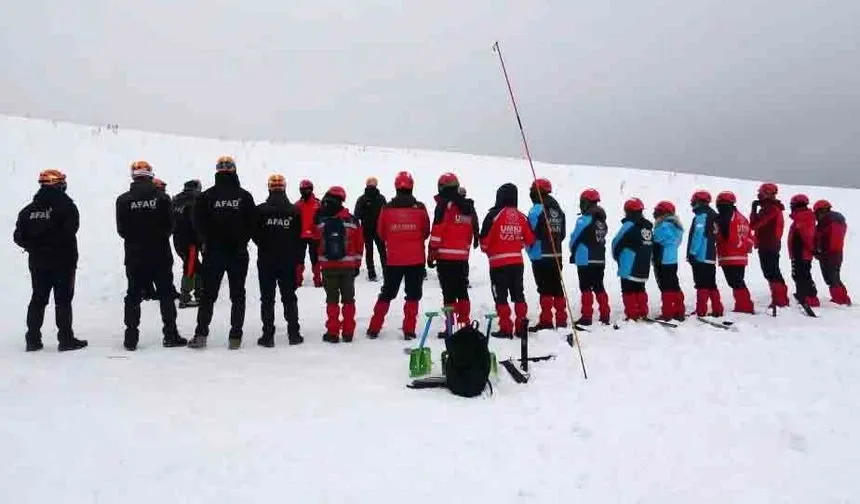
<point>588,239</point>
<point>631,248</point>
<point>702,240</point>
<point>542,248</point>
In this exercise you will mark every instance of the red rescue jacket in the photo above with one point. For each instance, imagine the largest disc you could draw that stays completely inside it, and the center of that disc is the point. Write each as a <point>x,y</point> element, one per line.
<point>830,234</point>
<point>354,242</point>
<point>801,234</point>
<point>454,229</point>
<point>767,225</point>
<point>404,226</point>
<point>508,234</point>
<point>308,209</point>
<point>733,249</point>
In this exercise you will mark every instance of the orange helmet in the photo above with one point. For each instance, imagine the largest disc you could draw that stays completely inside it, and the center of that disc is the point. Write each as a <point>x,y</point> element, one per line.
<point>51,177</point>
<point>141,169</point>
<point>277,182</point>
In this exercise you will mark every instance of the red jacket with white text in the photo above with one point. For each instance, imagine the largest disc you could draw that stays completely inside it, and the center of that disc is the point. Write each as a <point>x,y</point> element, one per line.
<point>404,226</point>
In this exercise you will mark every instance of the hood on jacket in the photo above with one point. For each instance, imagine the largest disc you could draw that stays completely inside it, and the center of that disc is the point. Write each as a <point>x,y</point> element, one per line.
<point>227,179</point>
<point>671,219</point>
<point>371,192</point>
<point>506,196</point>
<point>49,194</point>
<point>596,212</point>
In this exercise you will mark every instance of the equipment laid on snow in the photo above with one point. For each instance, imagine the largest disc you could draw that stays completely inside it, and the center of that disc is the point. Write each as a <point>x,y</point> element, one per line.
<point>520,375</point>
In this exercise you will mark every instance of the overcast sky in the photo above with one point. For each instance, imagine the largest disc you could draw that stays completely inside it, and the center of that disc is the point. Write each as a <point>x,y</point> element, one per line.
<point>755,88</point>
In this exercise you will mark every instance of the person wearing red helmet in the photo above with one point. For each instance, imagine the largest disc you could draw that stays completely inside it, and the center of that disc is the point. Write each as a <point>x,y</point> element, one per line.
<point>47,230</point>
<point>340,247</point>
<point>801,247</point>
<point>631,249</point>
<point>702,255</point>
<point>308,205</point>
<point>588,253</point>
<point>829,244</point>
<point>734,244</point>
<point>767,223</point>
<point>404,226</point>
<point>547,221</point>
<point>504,233</point>
<point>668,233</point>
<point>367,209</point>
<point>454,231</point>
<point>277,231</point>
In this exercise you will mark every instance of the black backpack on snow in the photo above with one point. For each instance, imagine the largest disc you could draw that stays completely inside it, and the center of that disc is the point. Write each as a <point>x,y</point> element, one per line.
<point>334,238</point>
<point>467,367</point>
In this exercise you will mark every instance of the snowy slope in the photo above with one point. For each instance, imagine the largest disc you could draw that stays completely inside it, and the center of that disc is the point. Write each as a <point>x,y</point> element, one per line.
<point>765,414</point>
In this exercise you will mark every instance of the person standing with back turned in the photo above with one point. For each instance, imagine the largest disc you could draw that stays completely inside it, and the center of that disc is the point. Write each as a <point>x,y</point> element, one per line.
<point>144,220</point>
<point>308,205</point>
<point>47,229</point>
<point>367,209</point>
<point>223,219</point>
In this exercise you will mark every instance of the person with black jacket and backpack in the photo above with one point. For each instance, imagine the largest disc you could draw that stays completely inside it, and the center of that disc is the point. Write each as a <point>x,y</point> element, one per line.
<point>367,209</point>
<point>47,229</point>
<point>223,219</point>
<point>277,234</point>
<point>187,244</point>
<point>144,220</point>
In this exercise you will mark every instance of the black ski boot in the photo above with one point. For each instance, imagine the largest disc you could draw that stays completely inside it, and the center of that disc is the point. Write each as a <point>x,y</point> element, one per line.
<point>266,340</point>
<point>502,335</point>
<point>132,336</point>
<point>172,339</point>
<point>71,343</point>
<point>585,322</point>
<point>409,336</point>
<point>295,339</point>
<point>372,335</point>
<point>346,338</point>
<point>540,327</point>
<point>442,334</point>
<point>198,342</point>
<point>235,339</point>
<point>34,342</point>
<point>331,338</point>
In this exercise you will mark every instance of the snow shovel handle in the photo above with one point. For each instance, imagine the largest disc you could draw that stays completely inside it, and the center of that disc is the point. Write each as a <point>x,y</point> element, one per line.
<point>489,317</point>
<point>430,316</point>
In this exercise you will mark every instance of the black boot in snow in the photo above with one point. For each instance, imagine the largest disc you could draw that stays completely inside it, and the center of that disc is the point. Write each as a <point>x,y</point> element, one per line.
<point>130,340</point>
<point>540,327</point>
<point>34,342</point>
<point>172,339</point>
<point>197,342</point>
<point>371,275</point>
<point>502,335</point>
<point>71,343</point>
<point>267,340</point>
<point>409,336</point>
<point>295,339</point>
<point>331,338</point>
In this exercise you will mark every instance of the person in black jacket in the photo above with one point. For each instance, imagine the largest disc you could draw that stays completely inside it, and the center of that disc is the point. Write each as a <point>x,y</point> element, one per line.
<point>277,234</point>
<point>223,218</point>
<point>144,220</point>
<point>631,249</point>
<point>187,245</point>
<point>47,230</point>
<point>367,209</point>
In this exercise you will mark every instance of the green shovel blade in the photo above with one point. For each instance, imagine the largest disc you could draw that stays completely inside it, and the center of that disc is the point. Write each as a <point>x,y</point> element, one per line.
<point>420,362</point>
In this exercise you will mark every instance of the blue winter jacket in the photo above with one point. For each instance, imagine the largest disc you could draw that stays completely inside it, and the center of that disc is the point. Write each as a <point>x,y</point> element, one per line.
<point>588,239</point>
<point>668,233</point>
<point>542,247</point>
<point>701,243</point>
<point>631,248</point>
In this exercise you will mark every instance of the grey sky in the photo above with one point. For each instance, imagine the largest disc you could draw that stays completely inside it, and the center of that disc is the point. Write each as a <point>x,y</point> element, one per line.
<point>755,88</point>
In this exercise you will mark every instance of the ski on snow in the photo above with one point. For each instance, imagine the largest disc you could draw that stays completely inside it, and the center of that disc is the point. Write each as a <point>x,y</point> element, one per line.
<point>720,324</point>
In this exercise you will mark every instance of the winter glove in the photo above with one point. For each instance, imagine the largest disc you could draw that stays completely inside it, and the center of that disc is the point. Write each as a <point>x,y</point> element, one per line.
<point>431,262</point>
<point>755,206</point>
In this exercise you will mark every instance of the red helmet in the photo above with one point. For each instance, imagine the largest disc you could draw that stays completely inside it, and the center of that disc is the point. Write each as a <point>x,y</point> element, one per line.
<point>306,184</point>
<point>767,190</point>
<point>799,200</point>
<point>664,207</point>
<point>821,205</point>
<point>727,197</point>
<point>403,180</point>
<point>634,205</point>
<point>701,196</point>
<point>590,195</point>
<point>338,192</point>
<point>447,180</point>
<point>543,185</point>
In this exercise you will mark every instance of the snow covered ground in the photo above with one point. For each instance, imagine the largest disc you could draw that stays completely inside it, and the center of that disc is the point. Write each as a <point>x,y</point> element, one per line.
<point>697,414</point>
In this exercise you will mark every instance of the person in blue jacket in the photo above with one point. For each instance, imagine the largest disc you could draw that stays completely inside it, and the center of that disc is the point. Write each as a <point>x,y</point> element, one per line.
<point>631,249</point>
<point>668,233</point>
<point>588,253</point>
<point>548,224</point>
<point>702,254</point>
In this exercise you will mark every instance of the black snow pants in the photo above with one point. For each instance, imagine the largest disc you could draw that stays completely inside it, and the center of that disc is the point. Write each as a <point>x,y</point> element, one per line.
<point>215,264</point>
<point>395,275</point>
<point>704,275</point>
<point>735,276</point>
<point>283,276</point>
<point>769,260</point>
<point>454,280</point>
<point>591,278</point>
<point>369,240</point>
<point>508,281</point>
<point>140,276</point>
<point>62,282</point>
<point>667,277</point>
<point>547,273</point>
<point>801,273</point>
